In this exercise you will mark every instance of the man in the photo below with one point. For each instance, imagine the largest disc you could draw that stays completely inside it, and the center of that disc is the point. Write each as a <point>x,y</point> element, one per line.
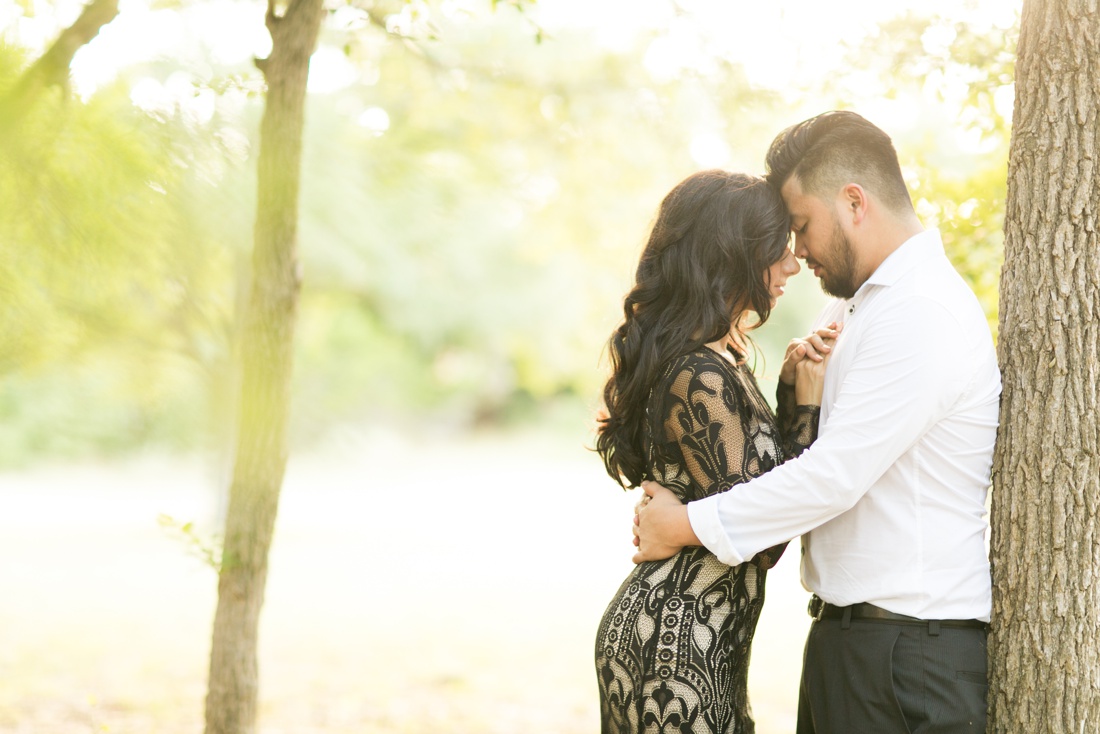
<point>890,500</point>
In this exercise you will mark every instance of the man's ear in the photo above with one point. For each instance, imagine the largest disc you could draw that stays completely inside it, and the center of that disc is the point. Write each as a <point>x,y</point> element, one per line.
<point>853,200</point>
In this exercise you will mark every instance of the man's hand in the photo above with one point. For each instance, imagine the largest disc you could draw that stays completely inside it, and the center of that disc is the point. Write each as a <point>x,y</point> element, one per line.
<point>661,527</point>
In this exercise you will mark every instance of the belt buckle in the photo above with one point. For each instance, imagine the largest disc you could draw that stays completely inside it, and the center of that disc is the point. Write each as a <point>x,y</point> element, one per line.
<point>815,607</point>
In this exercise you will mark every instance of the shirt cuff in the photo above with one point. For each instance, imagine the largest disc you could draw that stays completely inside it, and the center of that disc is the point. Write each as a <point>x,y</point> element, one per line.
<point>707,525</point>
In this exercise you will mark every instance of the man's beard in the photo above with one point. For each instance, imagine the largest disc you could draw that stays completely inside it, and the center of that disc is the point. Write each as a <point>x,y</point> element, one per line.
<point>839,279</point>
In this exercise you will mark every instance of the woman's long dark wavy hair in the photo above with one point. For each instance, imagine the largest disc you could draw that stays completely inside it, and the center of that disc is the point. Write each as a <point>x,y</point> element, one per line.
<point>706,262</point>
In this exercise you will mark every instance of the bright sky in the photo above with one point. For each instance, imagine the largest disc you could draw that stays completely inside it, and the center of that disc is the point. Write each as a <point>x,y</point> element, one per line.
<point>781,45</point>
<point>777,43</point>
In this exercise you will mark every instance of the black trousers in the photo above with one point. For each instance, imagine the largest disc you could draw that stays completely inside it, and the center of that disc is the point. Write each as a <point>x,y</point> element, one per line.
<point>874,677</point>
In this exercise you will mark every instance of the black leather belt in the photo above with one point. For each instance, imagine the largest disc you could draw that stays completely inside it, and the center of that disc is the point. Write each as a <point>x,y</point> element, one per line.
<point>823,610</point>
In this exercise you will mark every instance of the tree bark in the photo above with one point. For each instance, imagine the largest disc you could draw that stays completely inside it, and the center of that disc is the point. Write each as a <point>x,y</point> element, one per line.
<point>266,346</point>
<point>1045,546</point>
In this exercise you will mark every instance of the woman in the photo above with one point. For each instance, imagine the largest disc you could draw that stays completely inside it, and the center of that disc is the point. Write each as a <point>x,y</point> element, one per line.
<point>684,409</point>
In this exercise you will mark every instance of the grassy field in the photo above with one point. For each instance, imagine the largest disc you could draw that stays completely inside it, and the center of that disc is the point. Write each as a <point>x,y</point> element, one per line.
<point>417,585</point>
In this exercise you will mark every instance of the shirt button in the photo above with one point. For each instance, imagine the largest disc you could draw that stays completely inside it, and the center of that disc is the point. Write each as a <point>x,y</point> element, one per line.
<point>851,309</point>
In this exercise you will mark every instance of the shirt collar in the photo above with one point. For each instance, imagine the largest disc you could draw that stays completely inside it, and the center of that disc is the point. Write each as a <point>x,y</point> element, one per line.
<point>911,253</point>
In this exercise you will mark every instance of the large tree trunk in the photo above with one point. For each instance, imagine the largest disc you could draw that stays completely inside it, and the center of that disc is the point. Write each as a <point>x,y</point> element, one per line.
<point>266,356</point>
<point>1045,642</point>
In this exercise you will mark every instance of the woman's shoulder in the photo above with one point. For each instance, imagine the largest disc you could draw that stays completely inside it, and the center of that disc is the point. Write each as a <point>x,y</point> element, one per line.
<point>695,363</point>
<point>692,375</point>
<point>702,358</point>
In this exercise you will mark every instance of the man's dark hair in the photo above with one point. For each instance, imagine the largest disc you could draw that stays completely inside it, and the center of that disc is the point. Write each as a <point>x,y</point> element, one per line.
<point>837,148</point>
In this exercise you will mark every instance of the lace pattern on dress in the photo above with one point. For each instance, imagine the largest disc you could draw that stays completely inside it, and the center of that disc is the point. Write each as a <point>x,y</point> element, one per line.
<point>673,646</point>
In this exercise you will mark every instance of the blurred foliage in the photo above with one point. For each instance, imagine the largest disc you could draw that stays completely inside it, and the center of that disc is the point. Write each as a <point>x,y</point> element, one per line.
<point>206,549</point>
<point>113,275</point>
<point>475,196</point>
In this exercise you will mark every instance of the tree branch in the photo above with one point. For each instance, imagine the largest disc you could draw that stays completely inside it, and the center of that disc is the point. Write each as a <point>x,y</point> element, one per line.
<point>417,48</point>
<point>52,68</point>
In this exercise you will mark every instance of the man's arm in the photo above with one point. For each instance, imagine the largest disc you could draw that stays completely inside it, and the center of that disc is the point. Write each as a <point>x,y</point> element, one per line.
<point>901,379</point>
<point>666,527</point>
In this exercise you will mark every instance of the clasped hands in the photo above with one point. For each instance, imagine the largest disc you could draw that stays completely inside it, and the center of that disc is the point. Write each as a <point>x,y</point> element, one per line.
<point>661,525</point>
<point>804,363</point>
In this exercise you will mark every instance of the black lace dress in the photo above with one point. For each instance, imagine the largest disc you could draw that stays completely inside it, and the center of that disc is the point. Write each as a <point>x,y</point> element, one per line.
<point>672,652</point>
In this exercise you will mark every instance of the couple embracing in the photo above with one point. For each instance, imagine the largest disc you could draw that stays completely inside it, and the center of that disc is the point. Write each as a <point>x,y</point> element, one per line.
<point>878,455</point>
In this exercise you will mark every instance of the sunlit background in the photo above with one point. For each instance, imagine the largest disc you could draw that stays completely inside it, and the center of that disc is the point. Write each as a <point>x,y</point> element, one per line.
<point>478,184</point>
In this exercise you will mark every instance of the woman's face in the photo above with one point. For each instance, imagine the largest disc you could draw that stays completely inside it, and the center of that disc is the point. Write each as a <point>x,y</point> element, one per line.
<point>778,273</point>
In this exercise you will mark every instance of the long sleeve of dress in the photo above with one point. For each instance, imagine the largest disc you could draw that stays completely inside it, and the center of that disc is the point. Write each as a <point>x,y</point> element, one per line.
<point>702,416</point>
<point>797,423</point>
<point>723,438</point>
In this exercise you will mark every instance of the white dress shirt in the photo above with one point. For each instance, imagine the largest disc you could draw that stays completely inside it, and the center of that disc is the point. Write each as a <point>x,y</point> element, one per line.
<point>894,488</point>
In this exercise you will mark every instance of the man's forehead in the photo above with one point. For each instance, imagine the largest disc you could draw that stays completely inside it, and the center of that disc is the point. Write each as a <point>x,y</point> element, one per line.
<point>793,196</point>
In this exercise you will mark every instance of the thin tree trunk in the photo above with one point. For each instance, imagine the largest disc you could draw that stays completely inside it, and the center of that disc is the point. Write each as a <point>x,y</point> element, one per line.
<point>1045,641</point>
<point>266,356</point>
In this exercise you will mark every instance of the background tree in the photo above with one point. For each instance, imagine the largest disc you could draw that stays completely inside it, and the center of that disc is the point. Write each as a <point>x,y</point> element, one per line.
<point>266,348</point>
<point>266,357</point>
<point>1044,649</point>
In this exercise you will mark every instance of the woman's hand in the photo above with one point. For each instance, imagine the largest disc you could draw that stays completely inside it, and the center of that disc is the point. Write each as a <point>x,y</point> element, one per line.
<point>815,348</point>
<point>809,379</point>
